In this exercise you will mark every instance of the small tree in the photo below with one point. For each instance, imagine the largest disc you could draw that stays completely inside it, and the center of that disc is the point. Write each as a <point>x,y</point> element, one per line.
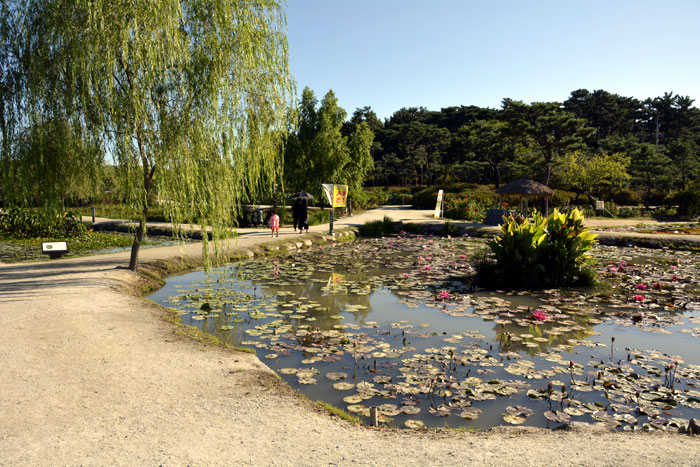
<point>592,174</point>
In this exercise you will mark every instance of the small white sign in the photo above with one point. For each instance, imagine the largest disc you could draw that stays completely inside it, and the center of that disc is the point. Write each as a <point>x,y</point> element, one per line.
<point>47,247</point>
<point>600,205</point>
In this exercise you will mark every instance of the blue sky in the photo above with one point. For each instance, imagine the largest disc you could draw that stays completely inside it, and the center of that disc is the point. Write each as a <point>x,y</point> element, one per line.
<point>390,54</point>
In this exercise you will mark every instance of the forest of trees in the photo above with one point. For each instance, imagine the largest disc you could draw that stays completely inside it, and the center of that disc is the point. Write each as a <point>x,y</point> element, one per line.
<point>650,145</point>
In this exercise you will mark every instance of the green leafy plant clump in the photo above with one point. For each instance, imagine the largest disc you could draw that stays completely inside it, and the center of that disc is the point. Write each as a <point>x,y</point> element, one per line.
<point>377,228</point>
<point>540,252</point>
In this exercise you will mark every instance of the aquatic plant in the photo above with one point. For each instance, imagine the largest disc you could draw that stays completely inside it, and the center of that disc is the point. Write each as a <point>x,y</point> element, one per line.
<point>539,315</point>
<point>444,295</point>
<point>541,252</point>
<point>377,228</point>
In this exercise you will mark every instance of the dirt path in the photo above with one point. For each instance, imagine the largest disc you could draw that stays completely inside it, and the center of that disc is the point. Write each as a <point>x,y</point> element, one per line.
<point>92,375</point>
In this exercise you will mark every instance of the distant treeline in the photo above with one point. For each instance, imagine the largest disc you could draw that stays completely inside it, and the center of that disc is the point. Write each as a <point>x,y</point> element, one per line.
<point>650,145</point>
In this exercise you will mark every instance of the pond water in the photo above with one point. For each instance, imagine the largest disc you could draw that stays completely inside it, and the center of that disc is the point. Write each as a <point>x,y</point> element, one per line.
<point>393,323</point>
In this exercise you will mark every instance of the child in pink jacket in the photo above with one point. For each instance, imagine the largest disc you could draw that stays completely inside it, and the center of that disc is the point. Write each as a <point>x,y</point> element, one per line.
<point>275,224</point>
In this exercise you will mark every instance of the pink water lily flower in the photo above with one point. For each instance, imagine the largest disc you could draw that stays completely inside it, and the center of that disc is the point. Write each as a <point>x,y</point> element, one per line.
<point>640,286</point>
<point>405,274</point>
<point>462,256</point>
<point>444,295</point>
<point>539,315</point>
<point>427,267</point>
<point>675,278</point>
<point>638,298</point>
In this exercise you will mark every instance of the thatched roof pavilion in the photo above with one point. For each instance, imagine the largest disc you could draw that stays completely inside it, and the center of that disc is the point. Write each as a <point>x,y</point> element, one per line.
<point>527,188</point>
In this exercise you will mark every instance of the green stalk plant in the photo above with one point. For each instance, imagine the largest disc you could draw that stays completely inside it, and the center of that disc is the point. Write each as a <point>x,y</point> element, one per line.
<point>540,252</point>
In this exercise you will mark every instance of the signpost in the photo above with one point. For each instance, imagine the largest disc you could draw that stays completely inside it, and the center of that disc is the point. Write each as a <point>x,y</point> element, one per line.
<point>337,197</point>
<point>438,206</point>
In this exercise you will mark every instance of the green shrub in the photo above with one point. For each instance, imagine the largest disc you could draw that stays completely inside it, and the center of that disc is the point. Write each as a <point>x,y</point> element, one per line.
<point>377,228</point>
<point>399,197</point>
<point>562,198</point>
<point>426,197</point>
<point>369,198</point>
<point>34,223</point>
<point>542,252</point>
<point>627,197</point>
<point>688,201</point>
<point>464,209</point>
<point>320,216</point>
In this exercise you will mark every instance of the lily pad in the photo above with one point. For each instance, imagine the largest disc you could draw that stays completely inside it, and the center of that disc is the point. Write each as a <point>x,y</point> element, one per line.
<point>514,420</point>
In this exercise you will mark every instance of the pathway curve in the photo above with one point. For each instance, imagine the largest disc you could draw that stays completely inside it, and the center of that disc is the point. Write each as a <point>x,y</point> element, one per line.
<point>93,375</point>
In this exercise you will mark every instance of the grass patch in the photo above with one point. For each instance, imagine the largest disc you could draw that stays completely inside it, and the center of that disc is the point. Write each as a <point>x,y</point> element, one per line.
<point>462,429</point>
<point>338,412</point>
<point>88,241</point>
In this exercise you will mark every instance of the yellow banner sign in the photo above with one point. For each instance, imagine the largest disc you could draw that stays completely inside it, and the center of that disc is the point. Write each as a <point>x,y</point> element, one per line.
<point>340,195</point>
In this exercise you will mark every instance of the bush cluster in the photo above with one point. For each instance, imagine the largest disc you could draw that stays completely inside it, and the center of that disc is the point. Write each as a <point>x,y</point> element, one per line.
<point>483,195</point>
<point>541,252</point>
<point>368,198</point>
<point>464,209</point>
<point>36,223</point>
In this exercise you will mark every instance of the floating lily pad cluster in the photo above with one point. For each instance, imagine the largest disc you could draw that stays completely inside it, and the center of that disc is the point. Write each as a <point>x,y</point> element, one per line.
<point>395,323</point>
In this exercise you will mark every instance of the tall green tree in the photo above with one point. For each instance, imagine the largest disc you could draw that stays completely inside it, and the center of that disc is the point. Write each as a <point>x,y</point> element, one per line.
<point>491,143</point>
<point>685,155</point>
<point>318,152</point>
<point>190,98</point>
<point>547,128</point>
<point>360,162</point>
<point>650,168</point>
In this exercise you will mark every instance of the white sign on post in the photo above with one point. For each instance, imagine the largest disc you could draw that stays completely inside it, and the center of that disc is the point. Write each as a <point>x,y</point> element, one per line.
<point>438,205</point>
<point>600,205</point>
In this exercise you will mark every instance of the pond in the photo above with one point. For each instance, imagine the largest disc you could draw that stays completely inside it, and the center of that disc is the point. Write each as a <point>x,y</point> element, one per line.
<point>394,323</point>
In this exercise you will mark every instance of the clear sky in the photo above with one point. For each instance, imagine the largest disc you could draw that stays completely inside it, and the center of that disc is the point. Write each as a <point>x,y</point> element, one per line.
<point>390,54</point>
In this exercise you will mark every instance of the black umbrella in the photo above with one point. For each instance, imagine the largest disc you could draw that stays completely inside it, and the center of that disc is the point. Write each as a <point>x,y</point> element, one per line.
<point>302,195</point>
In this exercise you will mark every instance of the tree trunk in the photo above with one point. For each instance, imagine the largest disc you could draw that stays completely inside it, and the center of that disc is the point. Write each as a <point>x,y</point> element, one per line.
<point>549,174</point>
<point>147,178</point>
<point>497,176</point>
<point>134,259</point>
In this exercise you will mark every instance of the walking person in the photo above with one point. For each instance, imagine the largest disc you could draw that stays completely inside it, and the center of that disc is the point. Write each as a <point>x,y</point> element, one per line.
<point>295,213</point>
<point>303,216</point>
<point>275,224</point>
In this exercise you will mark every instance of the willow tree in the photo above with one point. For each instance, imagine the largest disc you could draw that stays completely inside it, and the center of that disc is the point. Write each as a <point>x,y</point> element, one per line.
<point>189,98</point>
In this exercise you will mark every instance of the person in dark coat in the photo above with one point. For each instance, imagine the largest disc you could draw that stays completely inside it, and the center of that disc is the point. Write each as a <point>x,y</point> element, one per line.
<point>303,216</point>
<point>295,213</point>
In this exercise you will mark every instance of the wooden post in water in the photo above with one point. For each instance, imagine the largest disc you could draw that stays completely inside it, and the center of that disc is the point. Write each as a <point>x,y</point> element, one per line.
<point>373,416</point>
